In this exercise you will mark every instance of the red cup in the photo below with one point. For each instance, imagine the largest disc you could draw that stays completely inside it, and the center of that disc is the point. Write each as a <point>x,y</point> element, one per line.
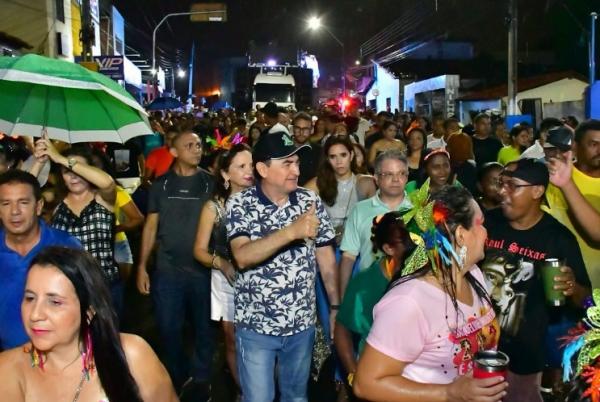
<point>490,363</point>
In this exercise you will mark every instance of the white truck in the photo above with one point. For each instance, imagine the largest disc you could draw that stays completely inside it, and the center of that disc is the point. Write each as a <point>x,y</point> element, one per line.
<point>274,84</point>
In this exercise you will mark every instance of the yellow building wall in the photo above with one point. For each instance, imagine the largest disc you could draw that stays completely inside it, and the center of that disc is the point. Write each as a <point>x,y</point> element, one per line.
<point>76,27</point>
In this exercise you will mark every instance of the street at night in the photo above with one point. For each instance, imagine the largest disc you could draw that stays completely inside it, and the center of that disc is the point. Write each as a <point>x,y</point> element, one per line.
<point>299,201</point>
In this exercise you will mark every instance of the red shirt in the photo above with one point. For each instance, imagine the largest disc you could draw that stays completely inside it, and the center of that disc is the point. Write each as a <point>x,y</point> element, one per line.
<point>159,161</point>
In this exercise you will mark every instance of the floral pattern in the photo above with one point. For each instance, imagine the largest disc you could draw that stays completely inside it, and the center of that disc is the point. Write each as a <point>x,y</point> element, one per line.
<point>277,297</point>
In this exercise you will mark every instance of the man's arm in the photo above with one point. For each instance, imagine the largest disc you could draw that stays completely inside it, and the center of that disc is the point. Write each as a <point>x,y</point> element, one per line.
<point>248,253</point>
<point>147,244</point>
<point>329,273</point>
<point>346,265</point>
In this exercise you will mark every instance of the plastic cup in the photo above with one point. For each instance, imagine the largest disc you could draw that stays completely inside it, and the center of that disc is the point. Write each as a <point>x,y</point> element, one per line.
<point>490,363</point>
<point>550,269</point>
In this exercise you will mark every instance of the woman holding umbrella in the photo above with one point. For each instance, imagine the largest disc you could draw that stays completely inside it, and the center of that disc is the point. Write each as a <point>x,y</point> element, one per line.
<point>86,212</point>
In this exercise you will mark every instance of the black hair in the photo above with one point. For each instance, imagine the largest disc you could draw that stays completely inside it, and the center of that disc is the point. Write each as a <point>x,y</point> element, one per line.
<point>385,227</point>
<point>423,136</point>
<point>326,180</point>
<point>449,121</point>
<point>583,128</point>
<point>458,202</point>
<point>386,124</point>
<point>224,160</point>
<point>480,117</point>
<point>486,168</point>
<point>91,288</point>
<point>548,123</point>
<point>17,176</point>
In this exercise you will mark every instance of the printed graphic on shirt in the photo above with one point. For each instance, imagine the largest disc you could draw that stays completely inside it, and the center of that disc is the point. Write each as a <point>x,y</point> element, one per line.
<point>479,333</point>
<point>509,274</point>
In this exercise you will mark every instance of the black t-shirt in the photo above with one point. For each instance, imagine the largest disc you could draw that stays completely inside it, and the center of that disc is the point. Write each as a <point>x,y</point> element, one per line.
<point>486,150</point>
<point>124,159</point>
<point>178,200</point>
<point>512,264</point>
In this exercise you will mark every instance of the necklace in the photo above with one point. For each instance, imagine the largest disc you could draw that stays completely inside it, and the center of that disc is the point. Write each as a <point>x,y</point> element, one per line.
<point>80,386</point>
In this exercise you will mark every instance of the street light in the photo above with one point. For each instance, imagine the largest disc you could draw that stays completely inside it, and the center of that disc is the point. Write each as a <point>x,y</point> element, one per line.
<point>175,15</point>
<point>181,73</point>
<point>314,24</point>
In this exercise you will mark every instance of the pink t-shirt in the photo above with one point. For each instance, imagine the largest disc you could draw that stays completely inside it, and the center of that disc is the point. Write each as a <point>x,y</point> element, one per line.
<point>416,322</point>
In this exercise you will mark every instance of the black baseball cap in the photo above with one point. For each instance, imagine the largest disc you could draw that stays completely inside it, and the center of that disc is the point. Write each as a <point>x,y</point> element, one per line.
<point>559,137</point>
<point>278,145</point>
<point>270,109</point>
<point>533,171</point>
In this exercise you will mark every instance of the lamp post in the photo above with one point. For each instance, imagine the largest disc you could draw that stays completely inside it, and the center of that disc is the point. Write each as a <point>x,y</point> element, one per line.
<point>164,19</point>
<point>314,24</point>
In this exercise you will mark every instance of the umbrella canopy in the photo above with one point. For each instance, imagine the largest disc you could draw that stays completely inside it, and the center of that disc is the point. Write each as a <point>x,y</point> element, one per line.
<point>73,103</point>
<point>164,103</point>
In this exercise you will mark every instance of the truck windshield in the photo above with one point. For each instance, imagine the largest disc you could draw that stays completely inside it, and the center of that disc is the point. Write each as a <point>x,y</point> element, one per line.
<point>273,92</point>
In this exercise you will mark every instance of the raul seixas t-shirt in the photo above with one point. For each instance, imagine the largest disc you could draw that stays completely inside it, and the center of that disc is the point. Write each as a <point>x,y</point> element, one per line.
<point>513,261</point>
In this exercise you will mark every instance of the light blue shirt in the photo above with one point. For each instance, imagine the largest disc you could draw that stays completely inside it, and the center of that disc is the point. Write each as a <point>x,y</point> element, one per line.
<point>357,232</point>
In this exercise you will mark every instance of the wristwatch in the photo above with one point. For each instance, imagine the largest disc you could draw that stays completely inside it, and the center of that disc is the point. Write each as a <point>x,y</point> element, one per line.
<point>71,162</point>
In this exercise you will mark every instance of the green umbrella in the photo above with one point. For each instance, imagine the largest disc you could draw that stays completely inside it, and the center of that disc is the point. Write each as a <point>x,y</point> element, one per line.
<point>73,103</point>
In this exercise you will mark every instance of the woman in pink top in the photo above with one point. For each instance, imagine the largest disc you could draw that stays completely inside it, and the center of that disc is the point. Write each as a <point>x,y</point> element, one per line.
<point>432,321</point>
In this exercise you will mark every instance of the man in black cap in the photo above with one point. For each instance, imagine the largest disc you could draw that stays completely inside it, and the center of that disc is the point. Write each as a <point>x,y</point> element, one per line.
<point>558,142</point>
<point>520,237</point>
<point>278,232</point>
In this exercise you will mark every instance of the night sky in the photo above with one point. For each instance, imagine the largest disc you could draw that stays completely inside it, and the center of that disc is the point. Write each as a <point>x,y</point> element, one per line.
<point>555,26</point>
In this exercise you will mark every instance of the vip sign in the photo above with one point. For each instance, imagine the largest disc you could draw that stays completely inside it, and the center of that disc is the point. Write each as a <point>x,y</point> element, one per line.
<point>111,66</point>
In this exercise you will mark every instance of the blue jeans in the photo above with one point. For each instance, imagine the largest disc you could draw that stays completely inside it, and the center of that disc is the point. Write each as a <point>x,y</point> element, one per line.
<point>256,357</point>
<point>174,293</point>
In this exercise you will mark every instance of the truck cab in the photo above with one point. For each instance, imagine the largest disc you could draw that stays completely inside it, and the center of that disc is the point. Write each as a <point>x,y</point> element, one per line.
<point>274,84</point>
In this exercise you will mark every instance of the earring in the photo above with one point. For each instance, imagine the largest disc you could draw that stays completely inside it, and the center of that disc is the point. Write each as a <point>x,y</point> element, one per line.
<point>37,358</point>
<point>462,256</point>
<point>87,355</point>
<point>226,184</point>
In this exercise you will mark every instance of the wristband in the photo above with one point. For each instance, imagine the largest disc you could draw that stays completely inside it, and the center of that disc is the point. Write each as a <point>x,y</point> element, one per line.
<point>213,261</point>
<point>334,307</point>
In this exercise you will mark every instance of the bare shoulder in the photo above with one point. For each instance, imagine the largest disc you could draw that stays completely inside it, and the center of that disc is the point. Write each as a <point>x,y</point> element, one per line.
<point>12,373</point>
<point>148,372</point>
<point>135,348</point>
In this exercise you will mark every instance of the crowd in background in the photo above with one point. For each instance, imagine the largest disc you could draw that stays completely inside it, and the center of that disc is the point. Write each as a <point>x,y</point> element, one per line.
<point>376,251</point>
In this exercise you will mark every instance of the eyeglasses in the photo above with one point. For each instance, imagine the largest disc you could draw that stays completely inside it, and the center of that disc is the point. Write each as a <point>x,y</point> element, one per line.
<point>305,130</point>
<point>510,186</point>
<point>193,145</point>
<point>391,175</point>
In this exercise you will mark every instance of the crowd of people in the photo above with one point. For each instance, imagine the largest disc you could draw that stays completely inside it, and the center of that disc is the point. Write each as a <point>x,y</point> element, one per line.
<point>393,246</point>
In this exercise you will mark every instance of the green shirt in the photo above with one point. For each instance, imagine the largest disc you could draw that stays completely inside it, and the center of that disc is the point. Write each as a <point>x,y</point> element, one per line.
<point>357,231</point>
<point>363,292</point>
<point>508,154</point>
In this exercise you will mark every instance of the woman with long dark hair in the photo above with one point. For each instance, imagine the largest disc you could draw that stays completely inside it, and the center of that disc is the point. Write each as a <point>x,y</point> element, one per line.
<point>416,140</point>
<point>437,313</point>
<point>337,182</point>
<point>234,173</point>
<point>76,352</point>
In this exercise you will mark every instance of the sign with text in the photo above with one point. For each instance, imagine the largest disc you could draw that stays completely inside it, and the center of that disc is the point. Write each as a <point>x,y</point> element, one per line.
<point>208,12</point>
<point>111,66</point>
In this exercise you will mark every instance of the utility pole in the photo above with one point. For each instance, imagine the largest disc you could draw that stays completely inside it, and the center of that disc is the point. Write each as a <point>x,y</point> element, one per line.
<point>86,35</point>
<point>592,45</point>
<point>191,73</point>
<point>513,56</point>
